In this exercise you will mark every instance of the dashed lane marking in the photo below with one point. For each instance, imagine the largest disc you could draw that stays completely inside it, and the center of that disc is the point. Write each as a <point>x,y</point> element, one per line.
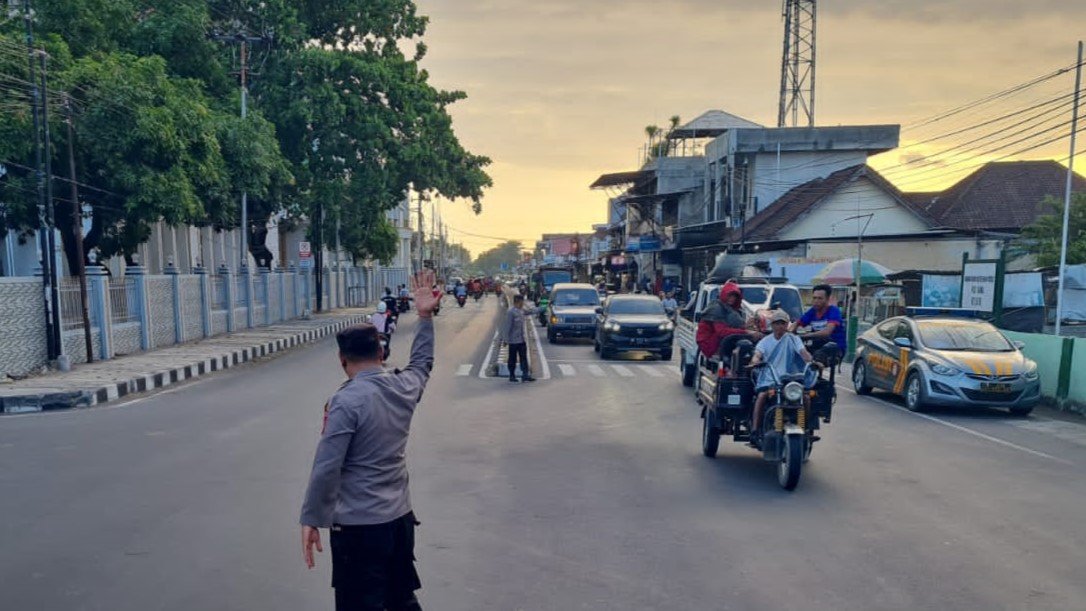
<point>622,371</point>
<point>464,370</point>
<point>596,370</point>
<point>567,370</point>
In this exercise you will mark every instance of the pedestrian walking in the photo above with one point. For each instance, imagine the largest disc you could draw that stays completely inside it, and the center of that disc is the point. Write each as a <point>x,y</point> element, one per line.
<point>358,486</point>
<point>512,333</point>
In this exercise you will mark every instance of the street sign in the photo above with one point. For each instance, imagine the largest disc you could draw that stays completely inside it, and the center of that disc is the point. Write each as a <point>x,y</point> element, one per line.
<point>979,286</point>
<point>305,250</point>
<point>306,263</point>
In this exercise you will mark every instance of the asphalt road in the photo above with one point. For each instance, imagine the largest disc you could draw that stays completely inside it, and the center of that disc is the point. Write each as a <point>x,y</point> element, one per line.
<point>584,491</point>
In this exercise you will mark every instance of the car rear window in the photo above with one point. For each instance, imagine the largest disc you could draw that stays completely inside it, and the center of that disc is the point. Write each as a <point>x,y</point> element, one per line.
<point>755,294</point>
<point>569,297</point>
<point>636,306</point>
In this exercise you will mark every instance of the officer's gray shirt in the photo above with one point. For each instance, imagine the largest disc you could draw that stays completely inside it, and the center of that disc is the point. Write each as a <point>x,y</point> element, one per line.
<point>512,331</point>
<point>360,471</point>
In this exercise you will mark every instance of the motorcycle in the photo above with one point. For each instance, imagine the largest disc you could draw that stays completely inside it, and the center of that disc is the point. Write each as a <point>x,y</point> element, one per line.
<point>404,304</point>
<point>461,300</point>
<point>726,392</point>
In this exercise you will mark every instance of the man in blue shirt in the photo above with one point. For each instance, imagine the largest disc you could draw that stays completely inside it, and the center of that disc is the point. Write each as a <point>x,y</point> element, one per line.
<point>824,319</point>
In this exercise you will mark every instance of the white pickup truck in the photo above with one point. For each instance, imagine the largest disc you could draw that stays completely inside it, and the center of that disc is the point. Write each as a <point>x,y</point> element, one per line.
<point>759,295</point>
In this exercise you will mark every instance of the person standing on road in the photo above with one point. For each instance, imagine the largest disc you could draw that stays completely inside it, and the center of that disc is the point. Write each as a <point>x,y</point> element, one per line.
<point>358,485</point>
<point>512,333</point>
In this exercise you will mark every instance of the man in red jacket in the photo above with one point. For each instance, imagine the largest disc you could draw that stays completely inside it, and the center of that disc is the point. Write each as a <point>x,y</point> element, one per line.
<point>721,319</point>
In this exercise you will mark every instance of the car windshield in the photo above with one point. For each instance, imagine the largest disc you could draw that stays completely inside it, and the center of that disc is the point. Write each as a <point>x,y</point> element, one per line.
<point>554,277</point>
<point>580,297</point>
<point>962,335</point>
<point>636,306</point>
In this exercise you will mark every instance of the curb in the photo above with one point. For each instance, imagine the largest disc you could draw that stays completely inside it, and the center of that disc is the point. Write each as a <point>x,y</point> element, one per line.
<point>62,400</point>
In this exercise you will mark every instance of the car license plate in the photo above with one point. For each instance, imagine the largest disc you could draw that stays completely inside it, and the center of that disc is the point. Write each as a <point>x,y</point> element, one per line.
<point>995,387</point>
<point>639,341</point>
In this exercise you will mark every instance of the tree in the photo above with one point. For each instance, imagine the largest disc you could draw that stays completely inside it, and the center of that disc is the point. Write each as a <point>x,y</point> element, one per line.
<point>1043,238</point>
<point>506,253</point>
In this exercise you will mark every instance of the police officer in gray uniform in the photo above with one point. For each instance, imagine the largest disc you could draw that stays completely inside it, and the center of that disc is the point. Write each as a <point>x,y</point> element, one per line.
<point>358,486</point>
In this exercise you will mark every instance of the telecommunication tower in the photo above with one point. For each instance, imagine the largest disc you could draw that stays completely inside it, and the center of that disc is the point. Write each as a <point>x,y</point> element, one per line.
<point>798,64</point>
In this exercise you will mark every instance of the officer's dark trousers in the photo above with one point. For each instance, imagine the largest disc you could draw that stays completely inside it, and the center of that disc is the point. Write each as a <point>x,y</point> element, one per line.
<point>373,566</point>
<point>518,352</point>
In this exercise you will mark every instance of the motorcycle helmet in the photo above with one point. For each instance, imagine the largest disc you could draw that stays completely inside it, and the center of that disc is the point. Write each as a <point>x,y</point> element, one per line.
<point>382,307</point>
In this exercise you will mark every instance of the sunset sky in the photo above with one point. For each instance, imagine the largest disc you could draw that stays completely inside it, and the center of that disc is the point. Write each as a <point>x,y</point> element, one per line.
<point>560,92</point>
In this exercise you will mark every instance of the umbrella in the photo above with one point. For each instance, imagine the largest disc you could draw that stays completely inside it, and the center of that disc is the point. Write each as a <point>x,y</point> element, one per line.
<point>843,273</point>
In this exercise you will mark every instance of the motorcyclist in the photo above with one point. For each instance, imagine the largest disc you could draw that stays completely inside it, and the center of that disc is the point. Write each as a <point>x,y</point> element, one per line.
<point>722,319</point>
<point>780,350</point>
<point>670,305</point>
<point>390,302</point>
<point>385,325</point>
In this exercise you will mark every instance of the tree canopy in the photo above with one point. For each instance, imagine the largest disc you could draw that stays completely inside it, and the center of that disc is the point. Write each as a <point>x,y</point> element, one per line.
<point>506,253</point>
<point>342,123</point>
<point>1044,237</point>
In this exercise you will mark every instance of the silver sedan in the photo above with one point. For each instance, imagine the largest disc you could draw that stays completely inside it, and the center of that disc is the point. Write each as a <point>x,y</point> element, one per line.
<point>946,361</point>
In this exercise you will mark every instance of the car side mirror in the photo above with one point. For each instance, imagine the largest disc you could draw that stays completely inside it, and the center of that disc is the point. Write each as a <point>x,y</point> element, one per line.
<point>903,342</point>
<point>599,310</point>
<point>1019,344</point>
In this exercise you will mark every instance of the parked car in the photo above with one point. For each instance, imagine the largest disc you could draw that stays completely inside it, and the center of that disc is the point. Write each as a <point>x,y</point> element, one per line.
<point>945,360</point>
<point>571,311</point>
<point>633,322</point>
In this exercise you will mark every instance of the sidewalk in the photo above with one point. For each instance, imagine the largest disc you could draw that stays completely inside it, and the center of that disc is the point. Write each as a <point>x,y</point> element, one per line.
<point>104,381</point>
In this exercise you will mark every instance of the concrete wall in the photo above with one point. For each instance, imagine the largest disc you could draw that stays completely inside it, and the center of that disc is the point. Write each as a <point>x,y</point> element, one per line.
<point>191,306</point>
<point>861,197</point>
<point>22,326</point>
<point>1047,351</point>
<point>126,338</point>
<point>771,180</point>
<point>919,253</point>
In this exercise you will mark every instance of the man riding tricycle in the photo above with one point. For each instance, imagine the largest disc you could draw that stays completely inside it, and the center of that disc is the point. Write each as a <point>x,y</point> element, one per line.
<point>772,394</point>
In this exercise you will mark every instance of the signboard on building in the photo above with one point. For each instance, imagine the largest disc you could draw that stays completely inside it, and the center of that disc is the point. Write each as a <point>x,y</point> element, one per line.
<point>979,286</point>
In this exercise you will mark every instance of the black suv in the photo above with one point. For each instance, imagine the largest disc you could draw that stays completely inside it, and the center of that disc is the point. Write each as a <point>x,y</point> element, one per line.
<point>571,311</point>
<point>633,322</point>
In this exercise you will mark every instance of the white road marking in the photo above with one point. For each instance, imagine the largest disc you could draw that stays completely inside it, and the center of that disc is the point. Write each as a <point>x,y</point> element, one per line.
<point>567,370</point>
<point>652,371</point>
<point>464,369</point>
<point>622,371</point>
<point>1067,431</point>
<point>596,370</point>
<point>486,359</point>
<point>542,357</point>
<point>966,430</point>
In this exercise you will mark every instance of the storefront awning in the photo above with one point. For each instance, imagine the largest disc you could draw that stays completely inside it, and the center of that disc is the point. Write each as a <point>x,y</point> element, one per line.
<point>618,179</point>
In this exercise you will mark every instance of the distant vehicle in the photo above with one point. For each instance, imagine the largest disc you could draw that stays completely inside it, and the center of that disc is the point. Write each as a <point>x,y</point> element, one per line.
<point>571,311</point>
<point>544,279</point>
<point>450,285</point>
<point>633,322</point>
<point>759,296</point>
<point>946,360</point>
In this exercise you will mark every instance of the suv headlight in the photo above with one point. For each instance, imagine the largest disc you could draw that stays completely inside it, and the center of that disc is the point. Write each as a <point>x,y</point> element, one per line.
<point>554,319</point>
<point>944,370</point>
<point>667,326</point>
<point>1031,371</point>
<point>793,392</point>
<point>612,326</point>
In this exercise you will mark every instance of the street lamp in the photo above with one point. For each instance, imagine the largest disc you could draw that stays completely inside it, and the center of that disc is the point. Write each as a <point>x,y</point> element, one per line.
<point>857,275</point>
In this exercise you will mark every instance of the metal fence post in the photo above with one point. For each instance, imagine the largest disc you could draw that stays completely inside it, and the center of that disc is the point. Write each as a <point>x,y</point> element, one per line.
<point>250,303</point>
<point>265,290</point>
<point>228,290</point>
<point>282,293</point>
<point>178,324</point>
<point>139,300</point>
<point>98,295</point>
<point>1063,384</point>
<point>205,299</point>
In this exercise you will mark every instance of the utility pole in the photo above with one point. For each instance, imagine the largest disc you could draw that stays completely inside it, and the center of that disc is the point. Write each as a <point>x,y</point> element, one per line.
<point>422,236</point>
<point>243,41</point>
<point>43,225</point>
<point>77,230</point>
<point>1067,191</point>
<point>798,64</point>
<point>50,212</point>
